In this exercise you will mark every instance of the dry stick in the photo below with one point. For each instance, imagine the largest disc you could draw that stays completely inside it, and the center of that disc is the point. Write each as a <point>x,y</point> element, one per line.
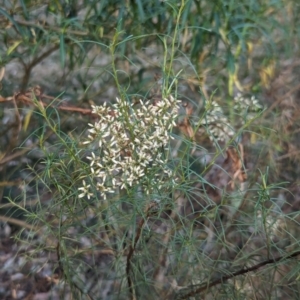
<point>18,124</point>
<point>208,285</point>
<point>18,222</point>
<point>132,249</point>
<point>61,271</point>
<point>287,155</point>
<point>24,98</point>
<point>12,204</point>
<point>33,64</point>
<point>27,98</point>
<point>130,254</point>
<point>163,257</point>
<point>17,154</point>
<point>163,261</point>
<point>18,121</point>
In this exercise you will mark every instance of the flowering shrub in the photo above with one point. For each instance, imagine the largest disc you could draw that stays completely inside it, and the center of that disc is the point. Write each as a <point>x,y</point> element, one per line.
<point>131,146</point>
<point>217,123</point>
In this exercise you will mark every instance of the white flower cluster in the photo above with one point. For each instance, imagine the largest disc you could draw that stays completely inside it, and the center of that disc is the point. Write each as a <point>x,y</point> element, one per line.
<point>248,105</point>
<point>131,145</point>
<point>219,128</point>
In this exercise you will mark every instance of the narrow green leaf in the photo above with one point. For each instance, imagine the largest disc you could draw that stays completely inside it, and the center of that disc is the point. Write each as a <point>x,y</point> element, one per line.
<point>62,50</point>
<point>11,49</point>
<point>141,10</point>
<point>24,9</point>
<point>4,13</point>
<point>230,62</point>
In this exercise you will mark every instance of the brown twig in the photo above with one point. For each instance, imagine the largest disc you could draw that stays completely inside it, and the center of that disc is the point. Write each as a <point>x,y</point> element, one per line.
<point>62,273</point>
<point>17,154</point>
<point>224,278</point>
<point>28,68</point>
<point>36,92</point>
<point>12,204</point>
<point>16,128</point>
<point>17,222</point>
<point>28,98</point>
<point>130,254</point>
<point>163,258</point>
<point>133,247</point>
<point>18,118</point>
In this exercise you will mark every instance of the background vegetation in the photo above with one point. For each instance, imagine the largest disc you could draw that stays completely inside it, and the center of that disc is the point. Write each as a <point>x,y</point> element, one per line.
<point>228,228</point>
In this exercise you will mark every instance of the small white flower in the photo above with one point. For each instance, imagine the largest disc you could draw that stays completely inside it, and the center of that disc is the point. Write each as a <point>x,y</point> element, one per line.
<point>85,190</point>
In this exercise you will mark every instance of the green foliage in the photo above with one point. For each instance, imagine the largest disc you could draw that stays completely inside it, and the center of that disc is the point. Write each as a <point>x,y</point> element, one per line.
<point>186,222</point>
